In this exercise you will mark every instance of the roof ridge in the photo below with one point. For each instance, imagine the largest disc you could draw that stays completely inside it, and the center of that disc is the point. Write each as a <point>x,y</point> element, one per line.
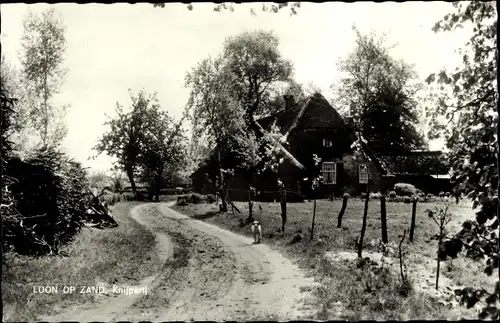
<point>298,117</point>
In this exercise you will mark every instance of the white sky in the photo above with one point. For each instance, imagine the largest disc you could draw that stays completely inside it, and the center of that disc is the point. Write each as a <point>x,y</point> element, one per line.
<point>111,48</point>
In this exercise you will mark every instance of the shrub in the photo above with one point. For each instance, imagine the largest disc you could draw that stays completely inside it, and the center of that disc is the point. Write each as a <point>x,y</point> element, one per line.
<point>441,194</point>
<point>347,195</point>
<point>196,198</point>
<point>405,189</point>
<point>407,199</point>
<point>211,198</point>
<point>363,195</point>
<point>375,196</point>
<point>52,198</point>
<point>392,195</point>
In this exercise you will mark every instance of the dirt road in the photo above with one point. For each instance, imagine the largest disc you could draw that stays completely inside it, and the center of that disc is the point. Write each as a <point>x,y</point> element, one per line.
<point>209,274</point>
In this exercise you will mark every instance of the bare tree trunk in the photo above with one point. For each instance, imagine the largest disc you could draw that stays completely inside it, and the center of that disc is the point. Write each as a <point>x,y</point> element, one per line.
<point>314,217</point>
<point>283,210</point>
<point>401,256</point>
<point>222,183</point>
<point>383,219</point>
<point>342,211</point>
<point>158,188</point>
<point>46,110</point>
<point>130,175</point>
<point>363,227</point>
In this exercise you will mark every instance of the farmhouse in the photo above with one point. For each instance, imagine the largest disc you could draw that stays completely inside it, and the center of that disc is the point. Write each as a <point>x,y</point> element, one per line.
<point>309,127</point>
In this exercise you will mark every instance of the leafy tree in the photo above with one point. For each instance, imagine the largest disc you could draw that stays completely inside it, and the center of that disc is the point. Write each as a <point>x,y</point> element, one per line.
<point>255,64</point>
<point>126,134</point>
<point>214,113</point>
<point>227,93</point>
<point>377,87</point>
<point>163,152</point>
<point>43,47</point>
<point>471,131</point>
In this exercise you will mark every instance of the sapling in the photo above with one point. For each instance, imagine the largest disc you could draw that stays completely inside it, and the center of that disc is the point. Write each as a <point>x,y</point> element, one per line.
<point>441,217</point>
<point>315,184</point>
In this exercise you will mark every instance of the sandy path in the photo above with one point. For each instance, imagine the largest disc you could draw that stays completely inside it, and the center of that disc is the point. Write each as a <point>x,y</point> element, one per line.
<point>226,278</point>
<point>265,285</point>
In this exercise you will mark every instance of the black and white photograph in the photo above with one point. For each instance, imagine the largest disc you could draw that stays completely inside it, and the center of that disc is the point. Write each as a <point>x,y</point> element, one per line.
<point>250,161</point>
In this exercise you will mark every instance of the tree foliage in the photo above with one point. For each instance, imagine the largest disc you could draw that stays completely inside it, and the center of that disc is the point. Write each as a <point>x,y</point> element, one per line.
<point>471,132</point>
<point>256,64</point>
<point>227,93</point>
<point>379,92</point>
<point>44,198</point>
<point>125,136</point>
<point>163,152</point>
<point>142,139</point>
<point>43,47</point>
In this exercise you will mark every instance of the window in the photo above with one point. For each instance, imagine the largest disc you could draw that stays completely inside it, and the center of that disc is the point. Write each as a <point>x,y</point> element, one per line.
<point>363,174</point>
<point>329,172</point>
<point>327,142</point>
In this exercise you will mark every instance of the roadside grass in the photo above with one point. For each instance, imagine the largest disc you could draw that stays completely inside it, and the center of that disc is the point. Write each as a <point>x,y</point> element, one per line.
<point>364,293</point>
<point>121,255</point>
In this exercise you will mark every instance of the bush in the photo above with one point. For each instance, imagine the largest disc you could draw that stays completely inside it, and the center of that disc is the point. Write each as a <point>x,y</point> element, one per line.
<point>363,195</point>
<point>51,197</point>
<point>405,189</point>
<point>392,195</point>
<point>375,196</point>
<point>196,198</point>
<point>407,199</point>
<point>347,195</point>
<point>210,198</point>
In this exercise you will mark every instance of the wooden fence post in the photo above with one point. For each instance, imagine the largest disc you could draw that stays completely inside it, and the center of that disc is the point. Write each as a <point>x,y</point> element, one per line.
<point>342,210</point>
<point>314,217</point>
<point>383,219</point>
<point>283,210</point>
<point>363,228</point>
<point>413,216</point>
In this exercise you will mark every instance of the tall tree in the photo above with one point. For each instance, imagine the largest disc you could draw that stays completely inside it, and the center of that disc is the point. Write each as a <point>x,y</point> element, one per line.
<point>126,132</point>
<point>43,47</point>
<point>229,92</point>
<point>215,114</point>
<point>471,129</point>
<point>164,151</point>
<point>255,64</point>
<point>379,90</point>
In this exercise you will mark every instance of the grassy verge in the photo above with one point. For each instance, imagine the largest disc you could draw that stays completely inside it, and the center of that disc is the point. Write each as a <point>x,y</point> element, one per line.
<point>346,291</point>
<point>121,255</point>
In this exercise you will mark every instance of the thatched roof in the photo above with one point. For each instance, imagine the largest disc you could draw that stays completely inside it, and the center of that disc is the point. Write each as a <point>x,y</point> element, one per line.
<point>320,114</point>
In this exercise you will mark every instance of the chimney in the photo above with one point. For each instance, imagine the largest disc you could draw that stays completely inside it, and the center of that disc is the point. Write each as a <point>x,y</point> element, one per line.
<point>289,101</point>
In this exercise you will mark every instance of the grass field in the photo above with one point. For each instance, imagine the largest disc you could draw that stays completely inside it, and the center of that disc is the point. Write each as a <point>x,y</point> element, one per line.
<point>347,291</point>
<point>121,255</point>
